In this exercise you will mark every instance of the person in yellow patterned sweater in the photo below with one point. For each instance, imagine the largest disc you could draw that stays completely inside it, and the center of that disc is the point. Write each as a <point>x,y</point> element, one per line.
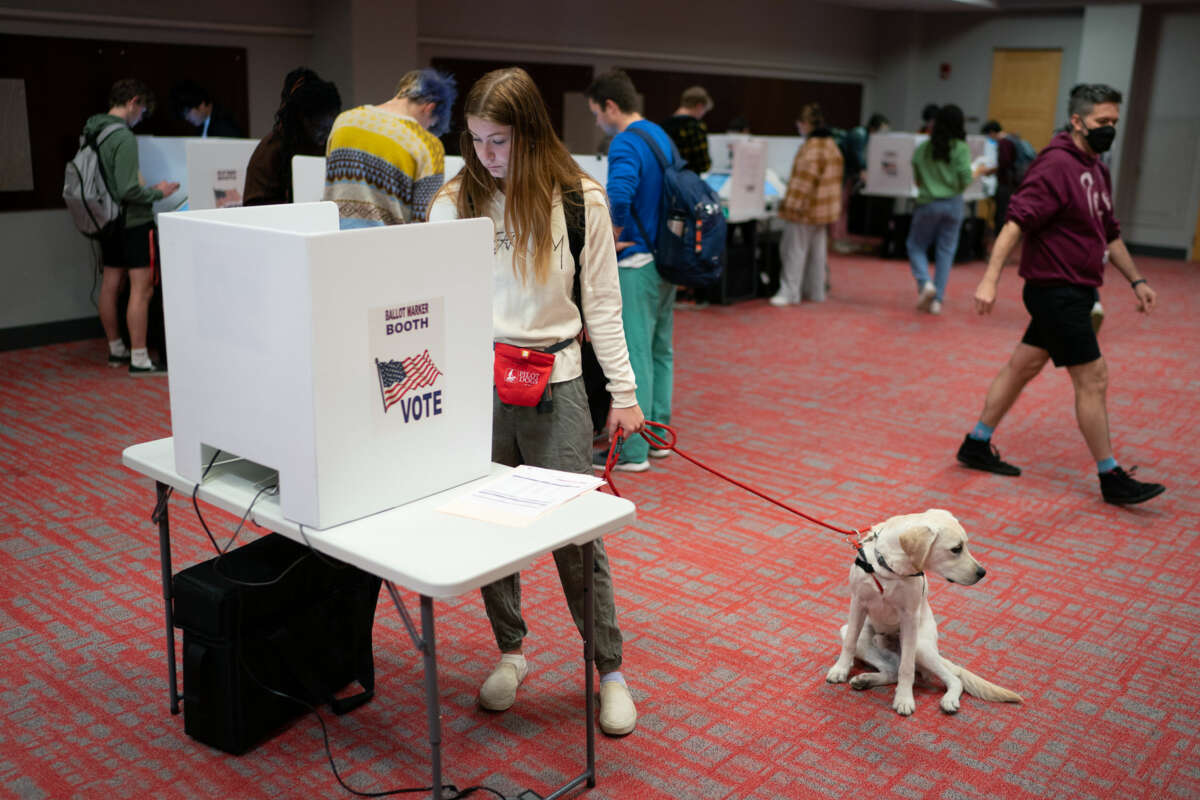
<point>812,202</point>
<point>384,163</point>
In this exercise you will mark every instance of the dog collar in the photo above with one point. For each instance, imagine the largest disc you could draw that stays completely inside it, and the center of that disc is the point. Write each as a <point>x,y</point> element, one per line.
<point>883,563</point>
<point>860,560</point>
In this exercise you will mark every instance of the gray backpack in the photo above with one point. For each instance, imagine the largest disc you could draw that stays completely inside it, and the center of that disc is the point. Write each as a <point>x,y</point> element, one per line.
<point>85,189</point>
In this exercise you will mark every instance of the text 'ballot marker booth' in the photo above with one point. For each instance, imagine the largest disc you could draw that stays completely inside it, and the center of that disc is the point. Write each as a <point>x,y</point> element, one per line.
<point>358,363</point>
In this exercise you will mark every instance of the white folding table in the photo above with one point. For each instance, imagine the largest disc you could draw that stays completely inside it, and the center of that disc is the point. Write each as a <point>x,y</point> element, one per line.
<point>426,551</point>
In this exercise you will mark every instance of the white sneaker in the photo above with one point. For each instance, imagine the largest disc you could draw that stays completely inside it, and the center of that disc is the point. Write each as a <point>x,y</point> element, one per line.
<point>499,691</point>
<point>779,301</point>
<point>618,715</point>
<point>935,307</point>
<point>657,453</point>
<point>927,296</point>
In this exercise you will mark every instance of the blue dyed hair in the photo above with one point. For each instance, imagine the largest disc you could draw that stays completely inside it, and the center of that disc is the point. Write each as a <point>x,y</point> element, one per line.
<point>430,86</point>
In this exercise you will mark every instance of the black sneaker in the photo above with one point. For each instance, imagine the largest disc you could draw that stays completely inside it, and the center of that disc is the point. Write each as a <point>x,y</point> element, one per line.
<point>118,361</point>
<point>155,368</point>
<point>1121,488</point>
<point>978,454</point>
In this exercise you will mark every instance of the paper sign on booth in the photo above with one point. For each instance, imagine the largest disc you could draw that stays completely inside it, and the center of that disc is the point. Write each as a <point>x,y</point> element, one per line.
<point>408,347</point>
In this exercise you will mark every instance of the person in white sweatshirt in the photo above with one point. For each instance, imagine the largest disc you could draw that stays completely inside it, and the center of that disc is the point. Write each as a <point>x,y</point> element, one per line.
<point>517,172</point>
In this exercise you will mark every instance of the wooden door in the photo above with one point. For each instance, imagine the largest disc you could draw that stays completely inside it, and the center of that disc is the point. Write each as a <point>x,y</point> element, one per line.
<point>1024,93</point>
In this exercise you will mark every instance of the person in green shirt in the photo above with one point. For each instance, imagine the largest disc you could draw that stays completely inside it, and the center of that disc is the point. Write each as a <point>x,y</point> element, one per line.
<point>125,250</point>
<point>942,172</point>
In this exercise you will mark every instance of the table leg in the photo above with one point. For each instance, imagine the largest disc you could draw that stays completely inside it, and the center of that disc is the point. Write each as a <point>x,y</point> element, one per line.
<point>589,629</point>
<point>164,553</point>
<point>589,640</point>
<point>432,701</point>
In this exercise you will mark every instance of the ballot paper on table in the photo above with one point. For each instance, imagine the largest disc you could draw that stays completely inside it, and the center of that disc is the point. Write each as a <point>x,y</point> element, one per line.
<point>521,496</point>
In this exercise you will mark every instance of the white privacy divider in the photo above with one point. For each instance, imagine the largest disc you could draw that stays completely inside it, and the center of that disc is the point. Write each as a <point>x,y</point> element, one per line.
<point>356,363</point>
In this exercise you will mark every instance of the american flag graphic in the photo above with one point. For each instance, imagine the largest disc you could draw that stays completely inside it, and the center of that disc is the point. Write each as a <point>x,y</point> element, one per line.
<point>398,377</point>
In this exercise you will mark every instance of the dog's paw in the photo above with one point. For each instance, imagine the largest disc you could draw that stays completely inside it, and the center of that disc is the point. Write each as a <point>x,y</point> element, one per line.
<point>950,704</point>
<point>861,681</point>
<point>904,705</point>
<point>837,673</point>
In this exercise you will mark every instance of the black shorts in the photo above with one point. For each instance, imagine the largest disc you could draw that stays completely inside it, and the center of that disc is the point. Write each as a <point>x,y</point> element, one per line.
<point>1061,323</point>
<point>127,248</point>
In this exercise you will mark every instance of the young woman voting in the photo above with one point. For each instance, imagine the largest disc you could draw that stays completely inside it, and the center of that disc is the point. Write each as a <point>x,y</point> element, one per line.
<point>520,175</point>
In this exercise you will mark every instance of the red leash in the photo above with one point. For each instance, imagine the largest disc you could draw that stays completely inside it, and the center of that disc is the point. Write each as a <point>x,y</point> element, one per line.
<point>660,443</point>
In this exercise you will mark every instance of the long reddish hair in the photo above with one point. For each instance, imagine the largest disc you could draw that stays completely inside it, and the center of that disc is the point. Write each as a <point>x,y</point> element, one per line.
<point>538,164</point>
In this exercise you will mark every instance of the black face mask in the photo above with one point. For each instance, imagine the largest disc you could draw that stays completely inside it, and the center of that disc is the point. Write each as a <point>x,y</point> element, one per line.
<point>1100,139</point>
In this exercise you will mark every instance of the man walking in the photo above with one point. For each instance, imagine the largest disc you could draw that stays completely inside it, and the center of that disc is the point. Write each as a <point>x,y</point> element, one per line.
<point>1064,209</point>
<point>635,186</point>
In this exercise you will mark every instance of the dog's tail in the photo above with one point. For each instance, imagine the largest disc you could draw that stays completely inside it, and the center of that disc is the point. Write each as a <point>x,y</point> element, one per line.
<point>984,690</point>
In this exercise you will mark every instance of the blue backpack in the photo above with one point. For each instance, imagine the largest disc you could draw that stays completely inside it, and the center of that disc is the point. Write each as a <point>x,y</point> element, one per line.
<point>1025,154</point>
<point>689,249</point>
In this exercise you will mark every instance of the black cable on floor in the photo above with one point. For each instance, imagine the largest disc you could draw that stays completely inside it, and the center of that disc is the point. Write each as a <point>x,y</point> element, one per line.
<point>458,794</point>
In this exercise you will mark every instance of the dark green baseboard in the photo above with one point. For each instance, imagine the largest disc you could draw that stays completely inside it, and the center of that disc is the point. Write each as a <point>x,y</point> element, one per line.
<point>67,330</point>
<point>1157,251</point>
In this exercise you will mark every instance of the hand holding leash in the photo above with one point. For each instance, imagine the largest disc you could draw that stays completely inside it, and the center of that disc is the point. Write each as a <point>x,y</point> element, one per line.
<point>629,421</point>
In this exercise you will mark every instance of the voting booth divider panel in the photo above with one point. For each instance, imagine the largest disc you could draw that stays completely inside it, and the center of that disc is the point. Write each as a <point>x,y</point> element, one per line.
<point>355,363</point>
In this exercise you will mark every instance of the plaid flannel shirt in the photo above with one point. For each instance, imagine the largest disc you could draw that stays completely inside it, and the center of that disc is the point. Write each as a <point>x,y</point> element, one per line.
<point>814,192</point>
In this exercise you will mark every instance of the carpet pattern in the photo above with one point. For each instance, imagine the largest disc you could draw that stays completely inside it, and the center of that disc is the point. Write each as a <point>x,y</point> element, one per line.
<point>851,410</point>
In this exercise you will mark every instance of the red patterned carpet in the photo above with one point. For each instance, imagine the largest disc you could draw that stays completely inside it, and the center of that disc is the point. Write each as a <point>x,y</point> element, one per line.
<point>853,410</point>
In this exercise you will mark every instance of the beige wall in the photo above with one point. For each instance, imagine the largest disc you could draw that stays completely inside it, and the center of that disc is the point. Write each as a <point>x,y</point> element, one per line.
<point>762,36</point>
<point>912,48</point>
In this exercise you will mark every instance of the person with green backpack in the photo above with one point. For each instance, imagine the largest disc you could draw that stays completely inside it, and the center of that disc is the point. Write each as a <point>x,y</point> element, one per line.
<point>125,247</point>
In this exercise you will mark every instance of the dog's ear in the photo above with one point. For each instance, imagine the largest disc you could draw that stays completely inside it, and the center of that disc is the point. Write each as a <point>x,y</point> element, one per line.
<point>916,542</point>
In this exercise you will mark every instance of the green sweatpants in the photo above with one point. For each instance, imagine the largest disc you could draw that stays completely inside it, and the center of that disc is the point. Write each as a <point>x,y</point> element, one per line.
<point>648,313</point>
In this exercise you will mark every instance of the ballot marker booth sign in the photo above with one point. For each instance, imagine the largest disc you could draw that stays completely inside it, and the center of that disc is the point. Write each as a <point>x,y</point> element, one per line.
<point>356,363</point>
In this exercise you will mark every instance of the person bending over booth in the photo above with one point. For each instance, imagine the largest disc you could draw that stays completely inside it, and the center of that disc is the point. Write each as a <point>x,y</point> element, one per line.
<point>385,163</point>
<point>307,107</point>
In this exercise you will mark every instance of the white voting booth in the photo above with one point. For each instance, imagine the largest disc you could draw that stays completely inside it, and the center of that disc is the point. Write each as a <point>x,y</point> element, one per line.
<point>737,159</point>
<point>781,151</point>
<point>308,179</point>
<point>355,363</point>
<point>889,164</point>
<point>164,158</point>
<point>595,166</point>
<point>744,191</point>
<point>216,171</point>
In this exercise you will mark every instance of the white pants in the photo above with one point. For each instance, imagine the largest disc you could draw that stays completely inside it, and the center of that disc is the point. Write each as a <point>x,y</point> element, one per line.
<point>803,262</point>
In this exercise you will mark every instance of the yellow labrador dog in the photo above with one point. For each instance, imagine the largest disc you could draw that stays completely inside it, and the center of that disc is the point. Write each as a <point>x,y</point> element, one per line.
<point>891,626</point>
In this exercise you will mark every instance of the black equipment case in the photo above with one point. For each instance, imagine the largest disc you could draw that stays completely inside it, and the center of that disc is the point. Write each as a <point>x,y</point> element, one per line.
<point>271,615</point>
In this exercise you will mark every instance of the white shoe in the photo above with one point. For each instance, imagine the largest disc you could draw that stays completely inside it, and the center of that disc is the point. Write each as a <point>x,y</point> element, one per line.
<point>657,453</point>
<point>618,715</point>
<point>779,301</point>
<point>499,691</point>
<point>935,307</point>
<point>927,296</point>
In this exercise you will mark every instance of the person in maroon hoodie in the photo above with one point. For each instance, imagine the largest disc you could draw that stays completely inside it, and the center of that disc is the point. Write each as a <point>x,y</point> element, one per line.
<point>1064,210</point>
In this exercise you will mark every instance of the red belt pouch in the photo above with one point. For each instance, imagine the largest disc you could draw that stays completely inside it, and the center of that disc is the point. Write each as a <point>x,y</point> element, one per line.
<point>521,374</point>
